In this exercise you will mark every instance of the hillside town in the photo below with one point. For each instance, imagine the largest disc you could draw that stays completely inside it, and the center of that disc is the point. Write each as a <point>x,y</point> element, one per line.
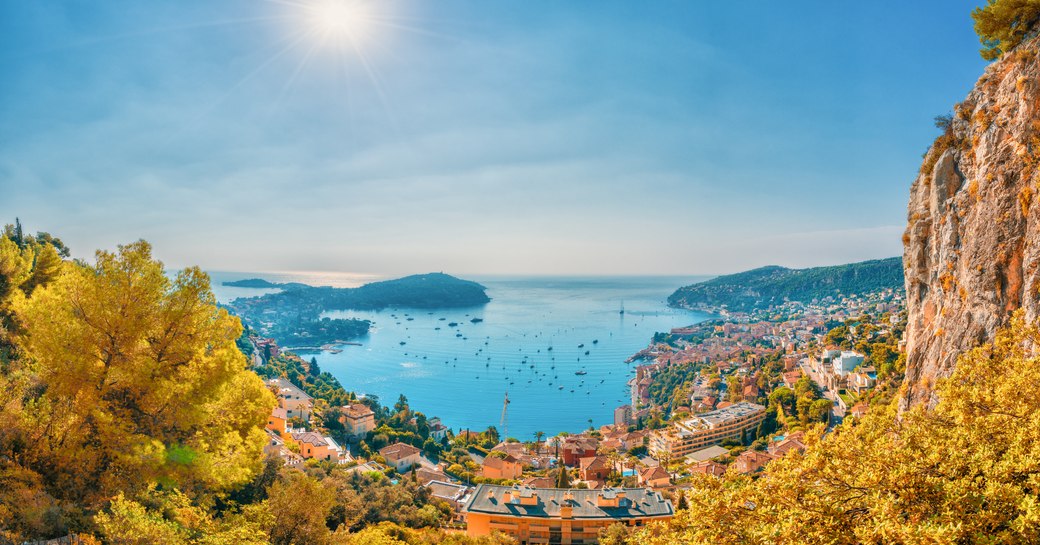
<point>729,395</point>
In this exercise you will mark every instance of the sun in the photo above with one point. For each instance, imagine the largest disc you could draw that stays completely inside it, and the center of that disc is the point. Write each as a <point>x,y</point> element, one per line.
<point>339,19</point>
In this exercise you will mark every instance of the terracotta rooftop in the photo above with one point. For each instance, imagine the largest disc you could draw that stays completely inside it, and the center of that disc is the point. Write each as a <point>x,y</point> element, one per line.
<point>398,451</point>
<point>585,504</point>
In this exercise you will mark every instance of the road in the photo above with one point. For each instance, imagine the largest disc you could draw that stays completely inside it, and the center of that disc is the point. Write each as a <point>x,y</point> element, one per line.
<point>837,413</point>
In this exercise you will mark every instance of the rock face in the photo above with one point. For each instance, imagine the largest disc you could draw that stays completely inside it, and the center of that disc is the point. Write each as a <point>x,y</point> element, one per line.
<point>972,242</point>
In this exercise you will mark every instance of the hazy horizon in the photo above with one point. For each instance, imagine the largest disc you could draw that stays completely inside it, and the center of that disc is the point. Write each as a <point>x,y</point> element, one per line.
<point>549,139</point>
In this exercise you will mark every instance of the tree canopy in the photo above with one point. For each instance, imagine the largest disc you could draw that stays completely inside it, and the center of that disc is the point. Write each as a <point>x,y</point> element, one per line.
<point>1003,24</point>
<point>119,377</point>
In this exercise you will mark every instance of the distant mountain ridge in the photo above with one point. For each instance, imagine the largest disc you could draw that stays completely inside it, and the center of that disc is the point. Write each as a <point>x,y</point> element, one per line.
<point>768,286</point>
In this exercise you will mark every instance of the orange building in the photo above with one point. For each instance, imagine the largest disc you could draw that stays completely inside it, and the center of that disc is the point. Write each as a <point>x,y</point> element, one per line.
<point>655,477</point>
<point>357,419</point>
<point>313,445</point>
<point>277,421</point>
<point>505,467</point>
<point>558,516</point>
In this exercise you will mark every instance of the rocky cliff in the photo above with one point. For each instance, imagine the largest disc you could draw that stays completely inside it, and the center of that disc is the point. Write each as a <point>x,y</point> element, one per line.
<point>972,242</point>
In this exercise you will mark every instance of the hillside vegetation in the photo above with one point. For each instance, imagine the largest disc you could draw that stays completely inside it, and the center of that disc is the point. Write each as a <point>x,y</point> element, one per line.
<point>768,286</point>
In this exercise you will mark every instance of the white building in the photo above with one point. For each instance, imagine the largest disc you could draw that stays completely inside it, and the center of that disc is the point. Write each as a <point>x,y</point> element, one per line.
<point>847,362</point>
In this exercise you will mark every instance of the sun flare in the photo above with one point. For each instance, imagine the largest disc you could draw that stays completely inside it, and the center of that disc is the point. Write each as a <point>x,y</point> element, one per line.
<point>339,19</point>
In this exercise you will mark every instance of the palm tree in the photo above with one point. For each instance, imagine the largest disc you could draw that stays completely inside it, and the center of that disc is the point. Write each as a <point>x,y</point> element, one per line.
<point>538,440</point>
<point>614,457</point>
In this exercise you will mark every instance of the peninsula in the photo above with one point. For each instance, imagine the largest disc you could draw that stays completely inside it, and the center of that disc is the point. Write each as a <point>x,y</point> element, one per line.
<point>767,287</point>
<point>294,316</point>
<point>251,283</point>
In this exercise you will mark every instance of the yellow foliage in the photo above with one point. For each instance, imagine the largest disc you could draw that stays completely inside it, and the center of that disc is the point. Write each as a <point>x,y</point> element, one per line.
<point>170,518</point>
<point>1025,198</point>
<point>127,377</point>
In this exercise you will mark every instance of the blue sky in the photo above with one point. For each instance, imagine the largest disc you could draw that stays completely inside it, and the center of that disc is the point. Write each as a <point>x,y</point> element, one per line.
<point>476,137</point>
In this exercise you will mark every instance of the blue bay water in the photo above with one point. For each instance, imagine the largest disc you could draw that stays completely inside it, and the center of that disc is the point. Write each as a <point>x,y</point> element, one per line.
<point>462,373</point>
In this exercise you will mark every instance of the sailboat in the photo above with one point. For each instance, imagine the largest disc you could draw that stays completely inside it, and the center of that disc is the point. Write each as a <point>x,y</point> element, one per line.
<point>622,311</point>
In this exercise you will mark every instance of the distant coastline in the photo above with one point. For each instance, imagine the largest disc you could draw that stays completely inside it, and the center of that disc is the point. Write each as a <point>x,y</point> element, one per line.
<point>257,283</point>
<point>293,316</point>
<point>768,287</point>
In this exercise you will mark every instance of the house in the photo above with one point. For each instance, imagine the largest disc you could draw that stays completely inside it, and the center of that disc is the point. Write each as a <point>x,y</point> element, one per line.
<point>594,468</point>
<point>438,431</point>
<point>516,450</point>
<point>635,439</point>
<point>709,467</point>
<point>706,403</point>
<point>425,475</point>
<point>314,445</point>
<point>574,449</point>
<point>859,409</point>
<point>296,402</point>
<point>555,515</point>
<point>612,444</point>
<point>787,444</point>
<point>358,419</point>
<point>400,456</point>
<point>792,377</point>
<point>862,380</point>
<point>277,421</point>
<point>265,348</point>
<point>453,493</point>
<point>505,467</point>
<point>751,461</point>
<point>277,448</point>
<point>655,477</point>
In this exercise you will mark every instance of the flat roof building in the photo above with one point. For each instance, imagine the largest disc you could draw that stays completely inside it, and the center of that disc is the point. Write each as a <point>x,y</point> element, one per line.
<point>706,429</point>
<point>559,516</point>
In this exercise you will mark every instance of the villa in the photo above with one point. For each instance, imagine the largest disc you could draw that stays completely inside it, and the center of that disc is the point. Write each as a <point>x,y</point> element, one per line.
<point>358,419</point>
<point>505,467</point>
<point>314,445</point>
<point>401,456</point>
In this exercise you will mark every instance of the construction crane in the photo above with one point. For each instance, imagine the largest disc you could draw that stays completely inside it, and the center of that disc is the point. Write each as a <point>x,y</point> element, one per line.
<point>502,422</point>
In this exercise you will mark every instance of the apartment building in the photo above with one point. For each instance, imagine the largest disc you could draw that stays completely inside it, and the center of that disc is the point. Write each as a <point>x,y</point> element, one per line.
<point>558,516</point>
<point>710,428</point>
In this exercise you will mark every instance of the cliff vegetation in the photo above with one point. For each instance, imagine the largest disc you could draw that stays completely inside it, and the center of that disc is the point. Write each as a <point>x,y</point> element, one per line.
<point>765,287</point>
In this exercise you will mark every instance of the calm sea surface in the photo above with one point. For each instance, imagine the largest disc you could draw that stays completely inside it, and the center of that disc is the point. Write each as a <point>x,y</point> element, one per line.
<point>462,373</point>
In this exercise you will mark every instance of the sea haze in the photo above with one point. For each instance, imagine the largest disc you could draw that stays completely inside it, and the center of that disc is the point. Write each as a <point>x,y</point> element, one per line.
<point>464,379</point>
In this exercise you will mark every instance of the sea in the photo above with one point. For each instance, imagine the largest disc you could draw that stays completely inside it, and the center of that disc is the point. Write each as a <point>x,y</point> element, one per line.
<point>554,346</point>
